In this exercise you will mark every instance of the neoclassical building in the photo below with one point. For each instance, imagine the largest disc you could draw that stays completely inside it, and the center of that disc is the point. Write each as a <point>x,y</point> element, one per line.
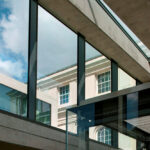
<point>62,87</point>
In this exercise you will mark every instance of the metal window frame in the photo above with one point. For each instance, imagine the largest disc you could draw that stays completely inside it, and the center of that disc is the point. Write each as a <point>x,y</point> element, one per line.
<point>80,68</point>
<point>32,59</point>
<point>114,87</point>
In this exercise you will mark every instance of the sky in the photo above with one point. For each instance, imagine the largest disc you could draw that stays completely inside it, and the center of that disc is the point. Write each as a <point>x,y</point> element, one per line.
<point>14,38</point>
<point>57,44</point>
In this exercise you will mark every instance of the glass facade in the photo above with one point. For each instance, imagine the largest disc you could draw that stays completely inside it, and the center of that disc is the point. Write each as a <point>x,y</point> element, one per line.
<point>128,113</point>
<point>14,27</point>
<point>56,66</point>
<point>56,84</point>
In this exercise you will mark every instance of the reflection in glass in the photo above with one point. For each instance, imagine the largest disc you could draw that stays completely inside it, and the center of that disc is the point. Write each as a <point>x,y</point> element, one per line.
<point>15,102</point>
<point>104,82</point>
<point>129,114</point>
<point>98,79</point>
<point>104,135</point>
<point>14,38</point>
<point>14,18</point>
<point>43,112</point>
<point>56,70</point>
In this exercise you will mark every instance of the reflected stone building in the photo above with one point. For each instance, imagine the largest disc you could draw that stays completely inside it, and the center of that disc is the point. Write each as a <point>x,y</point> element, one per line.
<point>63,84</point>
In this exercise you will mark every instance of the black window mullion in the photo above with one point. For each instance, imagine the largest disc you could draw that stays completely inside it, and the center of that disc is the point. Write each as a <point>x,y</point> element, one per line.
<point>32,60</point>
<point>114,87</point>
<point>80,69</point>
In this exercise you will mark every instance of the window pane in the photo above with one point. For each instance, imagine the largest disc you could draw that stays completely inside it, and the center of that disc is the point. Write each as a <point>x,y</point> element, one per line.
<point>43,112</point>
<point>57,70</point>
<point>14,55</point>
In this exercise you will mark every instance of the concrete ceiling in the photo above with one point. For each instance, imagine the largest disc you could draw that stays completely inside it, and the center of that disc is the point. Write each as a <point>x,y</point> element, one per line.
<point>135,14</point>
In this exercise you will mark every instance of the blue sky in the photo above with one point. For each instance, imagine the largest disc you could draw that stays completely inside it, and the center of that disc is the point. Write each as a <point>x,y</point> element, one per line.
<point>13,38</point>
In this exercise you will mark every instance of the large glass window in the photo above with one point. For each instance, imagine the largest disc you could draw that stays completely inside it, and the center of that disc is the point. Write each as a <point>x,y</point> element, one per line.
<point>104,82</point>
<point>57,66</point>
<point>64,94</point>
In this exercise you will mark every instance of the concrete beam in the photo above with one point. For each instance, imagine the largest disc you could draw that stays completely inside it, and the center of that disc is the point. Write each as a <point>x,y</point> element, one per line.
<point>88,18</point>
<point>23,134</point>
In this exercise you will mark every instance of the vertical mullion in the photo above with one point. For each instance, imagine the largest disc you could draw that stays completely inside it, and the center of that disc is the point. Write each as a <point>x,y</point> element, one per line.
<point>80,69</point>
<point>32,60</point>
<point>114,76</point>
<point>82,130</point>
<point>114,87</point>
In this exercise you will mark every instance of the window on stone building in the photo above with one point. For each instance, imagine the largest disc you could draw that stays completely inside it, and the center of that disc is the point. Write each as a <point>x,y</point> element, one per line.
<point>64,94</point>
<point>104,135</point>
<point>104,82</point>
<point>43,110</point>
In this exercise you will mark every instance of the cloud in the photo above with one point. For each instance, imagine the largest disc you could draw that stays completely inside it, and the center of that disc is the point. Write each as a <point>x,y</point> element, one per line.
<point>14,27</point>
<point>12,68</point>
<point>14,38</point>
